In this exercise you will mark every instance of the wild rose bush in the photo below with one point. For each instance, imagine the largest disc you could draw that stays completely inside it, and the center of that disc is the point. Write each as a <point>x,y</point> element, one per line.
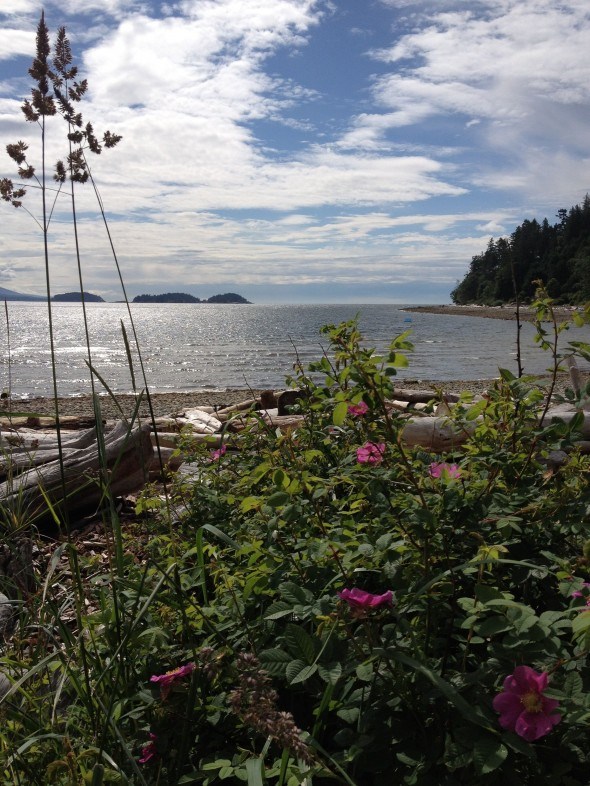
<point>393,594</point>
<point>338,606</point>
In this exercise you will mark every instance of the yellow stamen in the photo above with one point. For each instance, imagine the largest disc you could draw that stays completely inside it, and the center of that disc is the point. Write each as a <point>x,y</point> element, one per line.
<point>532,702</point>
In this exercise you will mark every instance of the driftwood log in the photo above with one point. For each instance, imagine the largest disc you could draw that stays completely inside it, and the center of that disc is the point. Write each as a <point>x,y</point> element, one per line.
<point>77,483</point>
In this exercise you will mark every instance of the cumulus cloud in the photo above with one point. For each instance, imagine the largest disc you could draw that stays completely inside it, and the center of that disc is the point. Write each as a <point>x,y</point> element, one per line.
<point>242,163</point>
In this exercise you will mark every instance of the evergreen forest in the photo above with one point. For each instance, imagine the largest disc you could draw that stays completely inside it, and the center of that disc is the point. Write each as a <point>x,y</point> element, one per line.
<point>556,254</point>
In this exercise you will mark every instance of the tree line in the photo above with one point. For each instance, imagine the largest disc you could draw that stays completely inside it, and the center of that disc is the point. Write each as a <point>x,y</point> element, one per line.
<point>556,254</point>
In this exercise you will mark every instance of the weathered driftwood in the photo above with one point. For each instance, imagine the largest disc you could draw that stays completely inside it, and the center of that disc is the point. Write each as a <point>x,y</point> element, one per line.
<point>439,433</point>
<point>127,459</point>
<point>74,422</point>
<point>436,433</point>
<point>423,396</point>
<point>227,412</point>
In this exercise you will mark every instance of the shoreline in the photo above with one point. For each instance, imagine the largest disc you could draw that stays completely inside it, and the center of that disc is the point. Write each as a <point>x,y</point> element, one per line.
<point>174,403</point>
<point>527,314</point>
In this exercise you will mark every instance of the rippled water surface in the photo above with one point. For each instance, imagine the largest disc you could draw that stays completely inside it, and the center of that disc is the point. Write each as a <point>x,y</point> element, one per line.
<point>193,347</point>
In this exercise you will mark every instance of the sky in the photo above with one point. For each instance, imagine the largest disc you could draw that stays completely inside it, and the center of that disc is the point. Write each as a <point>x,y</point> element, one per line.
<point>299,151</point>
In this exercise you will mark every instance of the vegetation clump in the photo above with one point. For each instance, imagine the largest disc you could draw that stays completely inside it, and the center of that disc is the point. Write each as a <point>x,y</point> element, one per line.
<point>557,254</point>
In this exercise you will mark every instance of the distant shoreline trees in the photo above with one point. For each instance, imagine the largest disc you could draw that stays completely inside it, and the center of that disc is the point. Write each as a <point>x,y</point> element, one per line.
<point>183,297</point>
<point>558,255</point>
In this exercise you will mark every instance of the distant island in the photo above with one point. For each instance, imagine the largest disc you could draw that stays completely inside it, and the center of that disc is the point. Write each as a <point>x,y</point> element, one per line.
<point>183,297</point>
<point>76,297</point>
<point>168,297</point>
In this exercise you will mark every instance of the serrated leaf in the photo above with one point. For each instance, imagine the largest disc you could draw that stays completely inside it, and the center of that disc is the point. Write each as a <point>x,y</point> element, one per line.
<point>300,643</point>
<point>294,594</point>
<point>493,626</point>
<point>278,610</point>
<point>349,714</point>
<point>488,754</point>
<point>573,685</point>
<point>274,655</point>
<point>275,661</point>
<point>298,671</point>
<point>330,674</point>
<point>364,671</point>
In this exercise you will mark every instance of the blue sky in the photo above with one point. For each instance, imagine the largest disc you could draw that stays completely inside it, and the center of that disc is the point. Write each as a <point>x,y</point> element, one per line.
<point>302,150</point>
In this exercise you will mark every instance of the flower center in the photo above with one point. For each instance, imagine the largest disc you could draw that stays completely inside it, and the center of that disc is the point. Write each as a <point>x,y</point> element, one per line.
<point>532,702</point>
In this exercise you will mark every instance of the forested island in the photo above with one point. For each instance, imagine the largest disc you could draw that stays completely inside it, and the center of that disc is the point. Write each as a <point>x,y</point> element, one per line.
<point>76,297</point>
<point>183,297</point>
<point>557,254</point>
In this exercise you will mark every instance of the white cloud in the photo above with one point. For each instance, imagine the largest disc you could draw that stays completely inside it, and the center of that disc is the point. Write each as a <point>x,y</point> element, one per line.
<point>513,73</point>
<point>482,99</point>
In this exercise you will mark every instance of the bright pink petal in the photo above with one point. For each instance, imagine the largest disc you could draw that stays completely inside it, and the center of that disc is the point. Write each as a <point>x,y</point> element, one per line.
<point>533,725</point>
<point>510,707</point>
<point>358,598</point>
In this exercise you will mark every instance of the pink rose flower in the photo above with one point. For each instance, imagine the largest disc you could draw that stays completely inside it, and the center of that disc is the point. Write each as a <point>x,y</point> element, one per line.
<point>358,410</point>
<point>370,453</point>
<point>522,706</point>
<point>149,751</point>
<point>166,681</point>
<point>217,454</point>
<point>359,599</point>
<point>440,469</point>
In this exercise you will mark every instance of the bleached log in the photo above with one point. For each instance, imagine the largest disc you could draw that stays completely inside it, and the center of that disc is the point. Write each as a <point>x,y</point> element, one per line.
<point>30,440</point>
<point>239,407</point>
<point>171,460</point>
<point>436,433</point>
<point>200,422</point>
<point>127,458</point>
<point>566,413</point>
<point>423,396</point>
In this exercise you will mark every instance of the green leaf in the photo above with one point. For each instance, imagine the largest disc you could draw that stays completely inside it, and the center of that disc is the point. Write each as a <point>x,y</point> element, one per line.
<point>295,594</point>
<point>573,685</point>
<point>300,643</point>
<point>278,610</point>
<point>275,661</point>
<point>364,671</point>
<point>254,771</point>
<point>277,499</point>
<point>298,671</point>
<point>397,360</point>
<point>250,503</point>
<point>339,414</point>
<point>488,754</point>
<point>581,624</point>
<point>331,673</point>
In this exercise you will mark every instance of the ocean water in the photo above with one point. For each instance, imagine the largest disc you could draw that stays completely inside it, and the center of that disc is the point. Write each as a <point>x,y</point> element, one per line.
<point>216,346</point>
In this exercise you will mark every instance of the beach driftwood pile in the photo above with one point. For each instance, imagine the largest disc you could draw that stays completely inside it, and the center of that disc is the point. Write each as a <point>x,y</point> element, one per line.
<point>36,484</point>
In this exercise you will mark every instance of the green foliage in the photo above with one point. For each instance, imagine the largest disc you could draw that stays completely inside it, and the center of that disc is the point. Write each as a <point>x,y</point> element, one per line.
<point>558,255</point>
<point>291,682</point>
